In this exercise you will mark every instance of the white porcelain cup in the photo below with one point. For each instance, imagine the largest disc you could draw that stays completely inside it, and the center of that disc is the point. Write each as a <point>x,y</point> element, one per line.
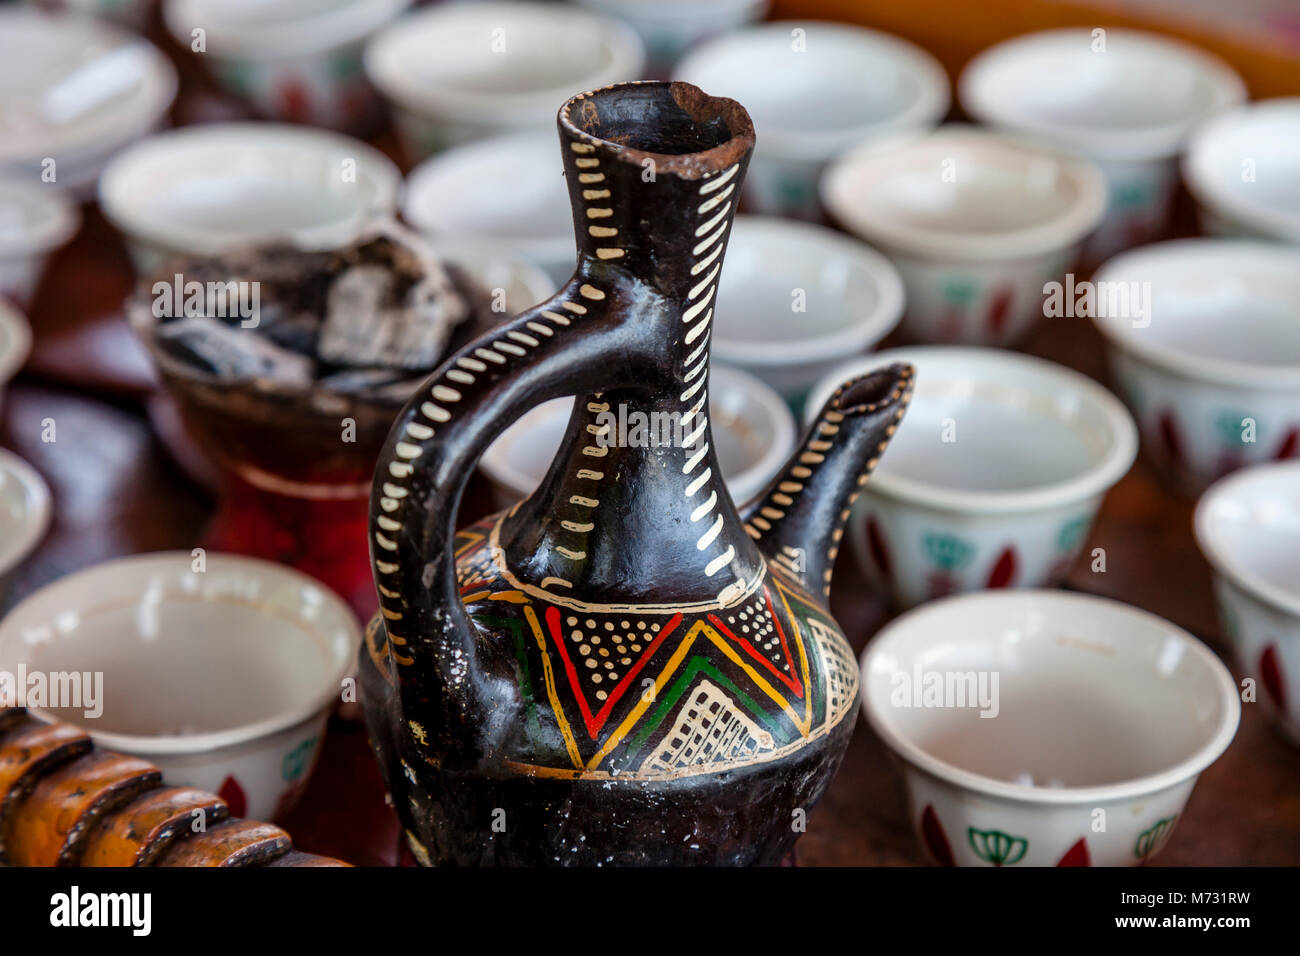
<point>24,513</point>
<point>669,28</point>
<point>454,72</point>
<point>753,434</point>
<point>1211,368</point>
<point>222,670</point>
<point>1125,98</point>
<point>294,60</point>
<point>1043,728</point>
<point>815,89</point>
<point>994,475</point>
<point>1248,527</point>
<point>508,191</point>
<point>977,223</point>
<point>35,219</point>
<point>205,189</point>
<point>795,299</point>
<point>76,89</point>
<point>1243,168</point>
<point>15,344</point>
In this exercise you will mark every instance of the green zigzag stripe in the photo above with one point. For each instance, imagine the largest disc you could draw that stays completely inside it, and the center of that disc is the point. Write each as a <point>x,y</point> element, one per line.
<point>516,629</point>
<point>680,687</point>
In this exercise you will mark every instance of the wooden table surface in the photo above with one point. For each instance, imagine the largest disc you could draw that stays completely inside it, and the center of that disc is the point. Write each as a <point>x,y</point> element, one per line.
<point>118,491</point>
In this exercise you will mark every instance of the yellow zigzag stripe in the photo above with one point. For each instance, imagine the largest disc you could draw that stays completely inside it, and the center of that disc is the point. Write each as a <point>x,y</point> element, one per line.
<point>549,675</point>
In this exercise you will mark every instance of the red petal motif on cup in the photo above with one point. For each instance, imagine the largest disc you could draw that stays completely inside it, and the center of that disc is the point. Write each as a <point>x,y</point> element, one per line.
<point>294,103</point>
<point>1270,672</point>
<point>936,841</point>
<point>879,550</point>
<point>1289,445</point>
<point>1004,569</point>
<point>233,794</point>
<point>1170,438</point>
<point>1076,855</point>
<point>999,309</point>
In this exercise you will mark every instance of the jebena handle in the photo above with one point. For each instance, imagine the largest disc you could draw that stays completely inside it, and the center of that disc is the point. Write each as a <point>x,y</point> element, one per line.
<point>561,347</point>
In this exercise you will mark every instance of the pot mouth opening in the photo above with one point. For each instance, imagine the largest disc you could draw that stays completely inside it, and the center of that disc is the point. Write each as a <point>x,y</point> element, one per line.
<point>681,128</point>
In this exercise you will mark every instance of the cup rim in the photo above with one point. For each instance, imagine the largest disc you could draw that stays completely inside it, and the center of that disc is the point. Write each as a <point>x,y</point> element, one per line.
<point>1162,141</point>
<point>1094,480</point>
<point>1200,256</point>
<point>877,158</point>
<point>15,327</point>
<point>1221,558</point>
<point>1214,136</point>
<point>38,512</point>
<point>932,103</point>
<point>496,466</point>
<point>124,169</point>
<point>185,744</point>
<point>859,330</point>
<point>317,33</point>
<point>58,220</point>
<point>623,45</point>
<point>1075,604</point>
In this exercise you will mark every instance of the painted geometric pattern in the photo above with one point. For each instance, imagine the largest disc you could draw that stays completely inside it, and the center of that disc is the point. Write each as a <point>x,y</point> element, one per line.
<point>655,692</point>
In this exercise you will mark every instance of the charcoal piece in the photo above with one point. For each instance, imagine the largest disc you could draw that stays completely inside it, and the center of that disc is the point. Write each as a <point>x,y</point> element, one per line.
<point>296,331</point>
<point>219,349</point>
<point>391,303</point>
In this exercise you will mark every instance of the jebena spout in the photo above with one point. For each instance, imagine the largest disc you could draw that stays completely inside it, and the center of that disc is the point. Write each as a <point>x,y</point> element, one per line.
<point>799,519</point>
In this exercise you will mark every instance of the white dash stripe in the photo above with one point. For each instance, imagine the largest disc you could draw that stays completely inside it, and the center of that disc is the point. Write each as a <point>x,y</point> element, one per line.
<point>699,384</point>
<point>695,485</point>
<point>699,329</point>
<point>690,314</point>
<point>720,562</point>
<point>704,263</point>
<point>710,241</point>
<point>435,412</point>
<point>706,539</point>
<point>713,203</point>
<point>456,375</point>
<point>708,226</point>
<point>507,347</point>
<point>704,283</point>
<point>695,460</point>
<point>705,508</point>
<point>419,432</point>
<point>717,181</point>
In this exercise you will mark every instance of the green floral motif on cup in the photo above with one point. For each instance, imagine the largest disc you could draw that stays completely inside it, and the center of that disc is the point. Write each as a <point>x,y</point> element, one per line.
<point>1131,194</point>
<point>295,761</point>
<point>1232,428</point>
<point>1072,532</point>
<point>947,552</point>
<point>996,847</point>
<point>960,291</point>
<point>1152,838</point>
